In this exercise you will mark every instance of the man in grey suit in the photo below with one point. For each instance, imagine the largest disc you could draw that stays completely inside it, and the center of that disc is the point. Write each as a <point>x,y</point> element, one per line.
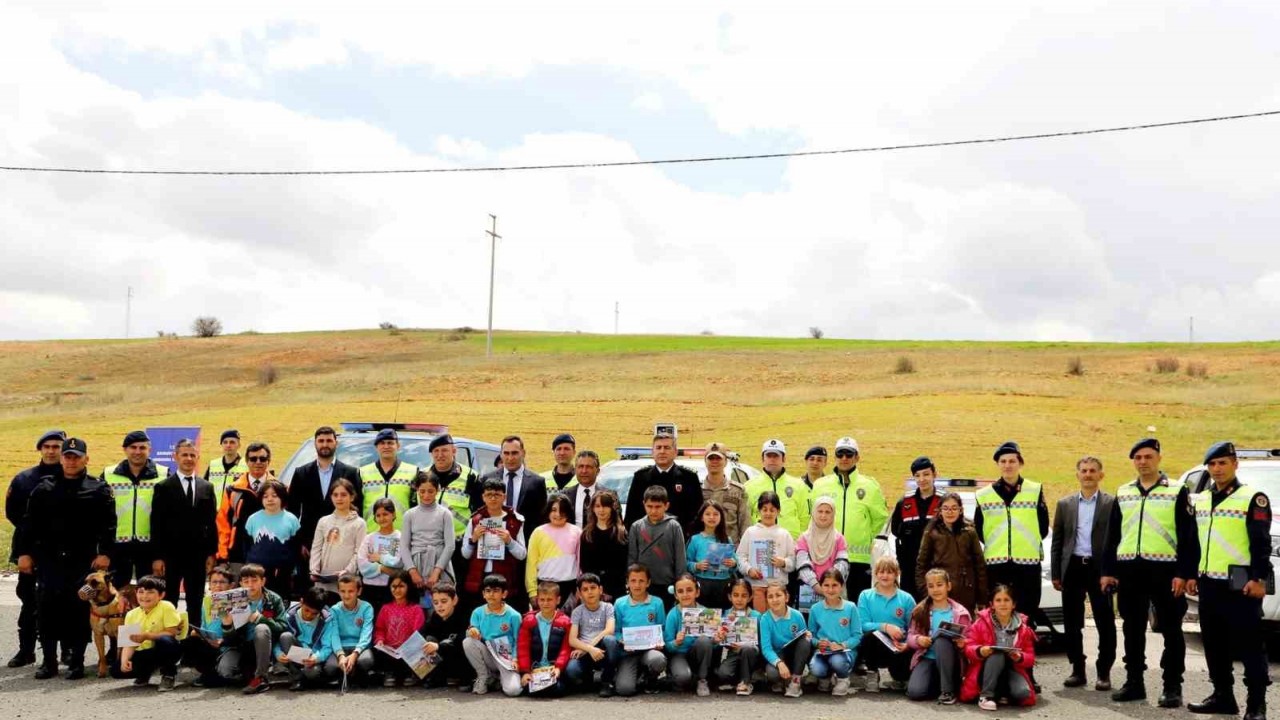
<point>1080,535</point>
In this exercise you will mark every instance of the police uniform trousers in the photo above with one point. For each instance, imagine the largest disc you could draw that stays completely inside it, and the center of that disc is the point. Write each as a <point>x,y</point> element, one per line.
<point>1232,623</point>
<point>1148,584</point>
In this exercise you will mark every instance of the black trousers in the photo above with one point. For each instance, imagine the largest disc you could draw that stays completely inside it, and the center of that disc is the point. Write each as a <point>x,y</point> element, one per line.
<point>1148,584</point>
<point>878,657</point>
<point>28,617</point>
<point>1232,623</point>
<point>64,620</point>
<point>1080,580</point>
<point>130,561</point>
<point>1025,581</point>
<point>859,580</point>
<point>186,573</point>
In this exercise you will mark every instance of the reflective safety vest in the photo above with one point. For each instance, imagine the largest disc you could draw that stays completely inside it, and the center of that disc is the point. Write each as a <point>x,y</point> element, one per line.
<point>1148,522</point>
<point>222,479</point>
<point>454,496</point>
<point>398,488</point>
<point>133,505</point>
<point>552,487</point>
<point>860,510</point>
<point>793,494</point>
<point>1224,536</point>
<point>1011,532</point>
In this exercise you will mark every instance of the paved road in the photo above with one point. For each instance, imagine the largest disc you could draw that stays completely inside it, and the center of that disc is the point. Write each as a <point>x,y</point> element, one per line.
<point>23,697</point>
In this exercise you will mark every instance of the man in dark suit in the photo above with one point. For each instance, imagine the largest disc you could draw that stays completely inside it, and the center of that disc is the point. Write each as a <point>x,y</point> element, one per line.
<point>684,490</point>
<point>1081,529</point>
<point>526,490</point>
<point>586,469</point>
<point>309,496</point>
<point>184,529</point>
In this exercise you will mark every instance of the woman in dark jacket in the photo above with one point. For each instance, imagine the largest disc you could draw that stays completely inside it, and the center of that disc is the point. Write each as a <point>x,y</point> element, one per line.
<point>950,542</point>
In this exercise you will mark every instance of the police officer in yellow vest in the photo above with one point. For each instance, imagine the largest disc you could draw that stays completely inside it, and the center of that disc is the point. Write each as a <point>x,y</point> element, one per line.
<point>560,477</point>
<point>791,490</point>
<point>133,484</point>
<point>387,477</point>
<point>1013,520</point>
<point>456,480</point>
<point>1234,528</point>
<point>1150,559</point>
<point>224,471</point>
<point>861,511</point>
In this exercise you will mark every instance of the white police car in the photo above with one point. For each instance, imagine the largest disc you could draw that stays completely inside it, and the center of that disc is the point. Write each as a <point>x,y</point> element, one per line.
<point>355,447</point>
<point>967,489</point>
<point>616,475</point>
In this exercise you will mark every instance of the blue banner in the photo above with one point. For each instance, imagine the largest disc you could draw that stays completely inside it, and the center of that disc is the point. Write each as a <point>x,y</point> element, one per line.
<point>164,438</point>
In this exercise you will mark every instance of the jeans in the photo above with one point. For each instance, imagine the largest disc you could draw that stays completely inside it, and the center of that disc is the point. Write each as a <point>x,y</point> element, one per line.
<point>997,670</point>
<point>232,663</point>
<point>840,663</point>
<point>939,674</point>
<point>630,664</point>
<point>314,674</point>
<point>485,665</point>
<point>580,671</point>
<point>738,664</point>
<point>795,655</point>
<point>364,663</point>
<point>878,657</point>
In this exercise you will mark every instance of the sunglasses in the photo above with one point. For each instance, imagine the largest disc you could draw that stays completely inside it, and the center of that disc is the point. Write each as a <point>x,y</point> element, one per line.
<point>260,458</point>
<point>845,454</point>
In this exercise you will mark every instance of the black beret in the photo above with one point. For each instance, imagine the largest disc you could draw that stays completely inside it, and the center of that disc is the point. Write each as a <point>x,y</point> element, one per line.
<point>1009,446</point>
<point>137,436</point>
<point>440,441</point>
<point>51,435</point>
<point>233,433</point>
<point>815,450</point>
<point>385,434</point>
<point>563,438</point>
<point>1226,448</point>
<point>921,463</point>
<point>1152,443</point>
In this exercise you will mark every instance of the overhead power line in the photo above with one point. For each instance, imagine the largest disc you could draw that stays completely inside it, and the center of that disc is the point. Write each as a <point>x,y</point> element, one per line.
<point>667,161</point>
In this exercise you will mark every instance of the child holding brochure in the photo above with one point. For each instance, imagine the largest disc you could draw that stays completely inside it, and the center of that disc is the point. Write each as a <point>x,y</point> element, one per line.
<point>688,656</point>
<point>304,648</point>
<point>1000,647</point>
<point>710,556</point>
<point>739,658</point>
<point>837,631</point>
<point>379,556</point>
<point>936,662</point>
<point>543,646</point>
<point>766,552</point>
<point>493,543</point>
<point>639,617</point>
<point>397,621</point>
<point>885,610</point>
<point>444,630</point>
<point>490,644</point>
<point>591,635</point>
<point>156,642</point>
<point>784,641</point>
<point>203,647</point>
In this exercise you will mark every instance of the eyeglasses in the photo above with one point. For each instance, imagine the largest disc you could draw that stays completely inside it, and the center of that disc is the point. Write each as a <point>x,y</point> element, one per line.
<point>845,453</point>
<point>949,509</point>
<point>260,458</point>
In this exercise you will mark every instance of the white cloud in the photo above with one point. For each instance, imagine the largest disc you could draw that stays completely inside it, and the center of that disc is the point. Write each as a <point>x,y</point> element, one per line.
<point>650,102</point>
<point>300,53</point>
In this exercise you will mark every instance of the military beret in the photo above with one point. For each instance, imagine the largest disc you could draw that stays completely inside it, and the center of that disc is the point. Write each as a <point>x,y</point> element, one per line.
<point>137,436</point>
<point>51,435</point>
<point>440,441</point>
<point>233,433</point>
<point>385,434</point>
<point>1226,448</point>
<point>1009,446</point>
<point>1152,443</point>
<point>563,438</point>
<point>817,450</point>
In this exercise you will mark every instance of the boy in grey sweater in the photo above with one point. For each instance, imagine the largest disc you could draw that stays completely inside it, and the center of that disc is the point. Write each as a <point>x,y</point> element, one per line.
<point>657,542</point>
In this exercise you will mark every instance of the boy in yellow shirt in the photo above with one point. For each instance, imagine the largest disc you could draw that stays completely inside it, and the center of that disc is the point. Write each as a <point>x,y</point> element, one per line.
<point>159,642</point>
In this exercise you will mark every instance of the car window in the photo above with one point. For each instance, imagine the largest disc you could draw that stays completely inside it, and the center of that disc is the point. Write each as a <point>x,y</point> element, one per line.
<point>1264,478</point>
<point>358,450</point>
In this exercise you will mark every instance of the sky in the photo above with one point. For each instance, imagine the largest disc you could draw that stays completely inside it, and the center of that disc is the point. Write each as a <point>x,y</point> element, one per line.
<point>1120,237</point>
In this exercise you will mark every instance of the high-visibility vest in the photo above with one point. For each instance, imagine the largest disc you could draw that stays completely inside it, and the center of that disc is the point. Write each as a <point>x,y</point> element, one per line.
<point>1224,535</point>
<point>398,488</point>
<point>1147,527</point>
<point>860,510</point>
<point>221,479</point>
<point>552,487</point>
<point>1011,531</point>
<point>133,505</point>
<point>454,496</point>
<point>793,494</point>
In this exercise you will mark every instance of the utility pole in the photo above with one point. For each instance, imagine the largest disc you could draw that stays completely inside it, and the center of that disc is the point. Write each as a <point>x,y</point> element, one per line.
<point>615,317</point>
<point>493,244</point>
<point>1191,329</point>
<point>128,310</point>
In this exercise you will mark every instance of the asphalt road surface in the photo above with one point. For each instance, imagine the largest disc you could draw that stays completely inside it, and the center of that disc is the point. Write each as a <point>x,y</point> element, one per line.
<point>21,696</point>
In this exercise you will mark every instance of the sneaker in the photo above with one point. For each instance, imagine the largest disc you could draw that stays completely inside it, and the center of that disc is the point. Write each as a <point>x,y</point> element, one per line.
<point>607,690</point>
<point>166,683</point>
<point>745,689</point>
<point>391,681</point>
<point>986,703</point>
<point>297,686</point>
<point>895,686</point>
<point>947,699</point>
<point>257,685</point>
<point>481,687</point>
<point>725,687</point>
<point>841,688</point>
<point>141,681</point>
<point>824,685</point>
<point>872,680</point>
<point>775,687</point>
<point>793,688</point>
<point>704,690</point>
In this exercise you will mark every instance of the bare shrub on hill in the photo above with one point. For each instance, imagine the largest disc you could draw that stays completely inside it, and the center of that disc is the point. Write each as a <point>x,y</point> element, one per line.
<point>206,326</point>
<point>1197,369</point>
<point>904,366</point>
<point>1166,365</point>
<point>1075,366</point>
<point>816,333</point>
<point>268,374</point>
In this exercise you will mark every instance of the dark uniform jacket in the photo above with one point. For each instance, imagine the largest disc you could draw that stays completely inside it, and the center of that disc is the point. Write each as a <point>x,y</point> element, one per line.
<point>69,522</point>
<point>684,492</point>
<point>15,500</point>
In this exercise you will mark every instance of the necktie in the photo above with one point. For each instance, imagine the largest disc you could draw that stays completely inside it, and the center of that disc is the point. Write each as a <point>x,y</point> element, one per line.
<point>256,483</point>
<point>586,505</point>
<point>189,482</point>
<point>511,487</point>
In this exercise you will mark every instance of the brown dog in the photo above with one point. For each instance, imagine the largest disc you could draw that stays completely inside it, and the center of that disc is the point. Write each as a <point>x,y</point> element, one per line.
<point>107,608</point>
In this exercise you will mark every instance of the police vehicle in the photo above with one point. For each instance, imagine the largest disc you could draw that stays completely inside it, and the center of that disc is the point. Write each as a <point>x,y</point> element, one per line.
<point>616,475</point>
<point>1051,621</point>
<point>355,447</point>
<point>1259,469</point>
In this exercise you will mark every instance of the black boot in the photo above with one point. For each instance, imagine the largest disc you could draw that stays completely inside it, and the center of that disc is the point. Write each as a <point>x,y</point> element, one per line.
<point>1077,677</point>
<point>1219,703</point>
<point>1103,683</point>
<point>47,669</point>
<point>1171,697</point>
<point>22,658</point>
<point>1256,706</point>
<point>1131,690</point>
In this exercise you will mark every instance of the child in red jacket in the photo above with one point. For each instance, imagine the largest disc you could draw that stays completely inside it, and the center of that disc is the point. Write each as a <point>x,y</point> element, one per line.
<point>1000,648</point>
<point>543,642</point>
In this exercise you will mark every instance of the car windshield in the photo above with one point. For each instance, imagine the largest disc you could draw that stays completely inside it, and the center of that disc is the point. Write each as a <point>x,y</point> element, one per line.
<point>1264,478</point>
<point>358,450</point>
<point>617,475</point>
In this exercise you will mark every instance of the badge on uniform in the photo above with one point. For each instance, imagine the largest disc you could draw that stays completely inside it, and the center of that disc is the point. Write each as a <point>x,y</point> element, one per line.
<point>862,493</point>
<point>679,487</point>
<point>789,491</point>
<point>1261,500</point>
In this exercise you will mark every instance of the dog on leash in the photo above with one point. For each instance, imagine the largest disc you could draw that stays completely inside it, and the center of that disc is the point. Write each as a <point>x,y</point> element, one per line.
<point>107,608</point>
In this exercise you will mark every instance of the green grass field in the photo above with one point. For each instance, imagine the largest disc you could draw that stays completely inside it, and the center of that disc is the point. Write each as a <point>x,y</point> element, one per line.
<point>963,399</point>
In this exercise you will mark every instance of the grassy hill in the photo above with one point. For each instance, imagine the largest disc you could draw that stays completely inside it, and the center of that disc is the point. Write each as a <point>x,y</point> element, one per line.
<point>962,399</point>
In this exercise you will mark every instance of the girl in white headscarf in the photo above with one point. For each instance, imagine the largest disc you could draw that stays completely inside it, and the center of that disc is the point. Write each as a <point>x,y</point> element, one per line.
<point>821,547</point>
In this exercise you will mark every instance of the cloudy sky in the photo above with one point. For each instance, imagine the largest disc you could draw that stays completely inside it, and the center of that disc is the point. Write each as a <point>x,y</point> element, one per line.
<point>1115,237</point>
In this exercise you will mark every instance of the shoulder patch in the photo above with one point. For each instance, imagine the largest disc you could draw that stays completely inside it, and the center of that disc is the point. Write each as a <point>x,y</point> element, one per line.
<point>862,493</point>
<point>1261,500</point>
<point>789,491</point>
